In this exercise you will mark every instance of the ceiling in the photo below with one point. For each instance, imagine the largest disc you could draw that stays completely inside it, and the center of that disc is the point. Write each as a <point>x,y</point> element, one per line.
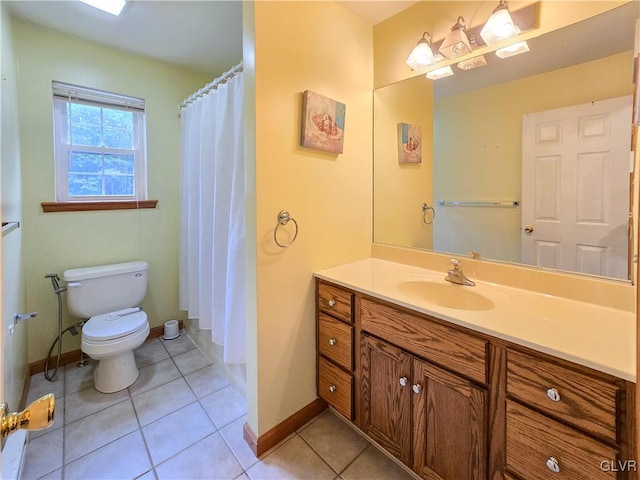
<point>200,35</point>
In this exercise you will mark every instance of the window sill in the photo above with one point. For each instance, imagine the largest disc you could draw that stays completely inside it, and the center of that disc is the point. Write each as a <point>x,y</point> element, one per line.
<point>48,207</point>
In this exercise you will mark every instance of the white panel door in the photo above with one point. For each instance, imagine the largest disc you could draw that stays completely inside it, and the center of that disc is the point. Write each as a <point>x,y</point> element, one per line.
<point>575,187</point>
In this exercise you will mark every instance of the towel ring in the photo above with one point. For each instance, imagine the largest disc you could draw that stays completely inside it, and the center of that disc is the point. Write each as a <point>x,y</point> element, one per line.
<point>283,219</point>
<point>425,214</point>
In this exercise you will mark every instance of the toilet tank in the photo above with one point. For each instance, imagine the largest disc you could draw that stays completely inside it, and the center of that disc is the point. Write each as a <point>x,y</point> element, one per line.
<point>105,288</point>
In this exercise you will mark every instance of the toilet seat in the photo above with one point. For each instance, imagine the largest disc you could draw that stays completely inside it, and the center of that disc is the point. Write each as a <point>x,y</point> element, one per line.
<point>114,325</point>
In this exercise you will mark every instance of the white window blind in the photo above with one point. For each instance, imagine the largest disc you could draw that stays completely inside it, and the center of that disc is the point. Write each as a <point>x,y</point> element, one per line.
<point>77,93</point>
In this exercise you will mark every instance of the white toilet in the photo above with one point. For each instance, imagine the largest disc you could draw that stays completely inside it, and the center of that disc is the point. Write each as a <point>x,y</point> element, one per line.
<point>109,295</point>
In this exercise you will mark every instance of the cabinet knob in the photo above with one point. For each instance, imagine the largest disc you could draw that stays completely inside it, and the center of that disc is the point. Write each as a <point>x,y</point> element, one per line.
<point>332,388</point>
<point>332,341</point>
<point>553,465</point>
<point>331,303</point>
<point>416,388</point>
<point>553,394</point>
<point>403,381</point>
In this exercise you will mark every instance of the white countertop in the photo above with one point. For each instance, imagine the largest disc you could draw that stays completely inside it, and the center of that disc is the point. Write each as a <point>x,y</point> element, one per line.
<point>588,334</point>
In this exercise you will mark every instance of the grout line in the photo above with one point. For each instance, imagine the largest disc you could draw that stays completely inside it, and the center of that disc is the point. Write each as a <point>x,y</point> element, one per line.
<point>318,454</point>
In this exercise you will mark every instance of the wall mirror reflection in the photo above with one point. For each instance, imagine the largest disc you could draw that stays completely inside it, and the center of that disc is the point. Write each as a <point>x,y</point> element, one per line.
<point>526,160</point>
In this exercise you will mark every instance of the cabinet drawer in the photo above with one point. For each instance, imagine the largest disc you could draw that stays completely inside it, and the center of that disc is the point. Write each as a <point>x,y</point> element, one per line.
<point>533,439</point>
<point>335,341</point>
<point>335,386</point>
<point>445,346</point>
<point>581,400</point>
<point>335,301</point>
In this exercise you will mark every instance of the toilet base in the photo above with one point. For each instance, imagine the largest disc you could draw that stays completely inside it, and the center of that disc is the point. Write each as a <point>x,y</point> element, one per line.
<point>115,373</point>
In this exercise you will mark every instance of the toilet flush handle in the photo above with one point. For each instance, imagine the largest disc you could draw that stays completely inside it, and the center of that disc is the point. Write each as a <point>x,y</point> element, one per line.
<point>74,284</point>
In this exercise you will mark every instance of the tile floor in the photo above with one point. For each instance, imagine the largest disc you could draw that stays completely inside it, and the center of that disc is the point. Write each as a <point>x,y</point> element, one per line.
<point>182,420</point>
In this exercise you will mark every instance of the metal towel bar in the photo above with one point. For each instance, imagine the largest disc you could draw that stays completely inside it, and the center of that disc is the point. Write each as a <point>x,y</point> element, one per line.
<point>451,203</point>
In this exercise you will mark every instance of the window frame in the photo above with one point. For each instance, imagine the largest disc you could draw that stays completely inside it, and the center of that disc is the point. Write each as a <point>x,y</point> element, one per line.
<point>63,96</point>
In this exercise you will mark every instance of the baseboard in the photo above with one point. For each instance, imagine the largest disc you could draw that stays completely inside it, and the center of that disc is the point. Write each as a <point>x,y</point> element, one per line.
<point>260,445</point>
<point>74,355</point>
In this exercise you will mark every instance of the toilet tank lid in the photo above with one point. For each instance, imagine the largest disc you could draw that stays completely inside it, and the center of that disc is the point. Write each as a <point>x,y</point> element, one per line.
<point>76,274</point>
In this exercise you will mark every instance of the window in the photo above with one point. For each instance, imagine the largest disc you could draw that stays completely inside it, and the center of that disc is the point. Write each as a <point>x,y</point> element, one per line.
<point>99,145</point>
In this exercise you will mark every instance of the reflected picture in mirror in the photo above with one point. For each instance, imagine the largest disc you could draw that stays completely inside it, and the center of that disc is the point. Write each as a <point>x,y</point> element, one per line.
<point>486,139</point>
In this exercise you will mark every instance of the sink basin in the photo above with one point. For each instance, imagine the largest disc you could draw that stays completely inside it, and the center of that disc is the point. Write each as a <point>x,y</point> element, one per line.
<point>446,295</point>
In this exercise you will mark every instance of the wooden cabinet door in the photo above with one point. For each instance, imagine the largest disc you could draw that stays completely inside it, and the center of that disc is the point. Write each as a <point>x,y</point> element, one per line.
<point>385,393</point>
<point>449,425</point>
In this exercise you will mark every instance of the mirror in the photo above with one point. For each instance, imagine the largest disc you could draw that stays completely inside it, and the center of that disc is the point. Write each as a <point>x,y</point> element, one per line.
<point>472,154</point>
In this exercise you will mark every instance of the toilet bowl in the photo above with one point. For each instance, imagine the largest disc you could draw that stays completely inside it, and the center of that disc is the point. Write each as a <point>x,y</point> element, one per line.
<point>111,339</point>
<point>108,296</point>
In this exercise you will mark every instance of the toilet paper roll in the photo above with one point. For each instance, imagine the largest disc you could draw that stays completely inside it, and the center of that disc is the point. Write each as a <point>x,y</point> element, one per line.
<point>171,330</point>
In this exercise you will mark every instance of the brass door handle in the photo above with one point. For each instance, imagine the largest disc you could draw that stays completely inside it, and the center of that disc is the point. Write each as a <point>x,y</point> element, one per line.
<point>528,229</point>
<point>36,416</point>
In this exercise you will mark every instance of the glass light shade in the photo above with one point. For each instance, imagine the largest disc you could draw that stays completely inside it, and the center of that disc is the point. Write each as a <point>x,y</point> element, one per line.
<point>421,56</point>
<point>512,50</point>
<point>475,62</point>
<point>456,43</point>
<point>114,7</point>
<point>499,27</point>
<point>440,73</point>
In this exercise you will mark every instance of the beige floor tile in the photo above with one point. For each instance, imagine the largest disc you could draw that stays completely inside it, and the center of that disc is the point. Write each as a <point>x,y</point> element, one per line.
<point>162,400</point>
<point>38,388</point>
<point>232,434</point>
<point>178,345</point>
<point>149,352</point>
<point>55,475</point>
<point>95,431</point>
<point>78,378</point>
<point>154,375</point>
<point>84,402</point>
<point>175,432</point>
<point>206,381</point>
<point>191,361</point>
<point>125,458</point>
<point>292,460</point>
<point>242,476</point>
<point>333,440</point>
<point>374,465</point>
<point>150,475</point>
<point>208,459</point>
<point>224,406</point>
<point>44,455</point>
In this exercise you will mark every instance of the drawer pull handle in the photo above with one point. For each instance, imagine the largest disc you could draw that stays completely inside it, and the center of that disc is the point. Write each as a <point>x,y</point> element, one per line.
<point>331,303</point>
<point>553,465</point>
<point>332,341</point>
<point>332,388</point>
<point>416,388</point>
<point>403,381</point>
<point>553,395</point>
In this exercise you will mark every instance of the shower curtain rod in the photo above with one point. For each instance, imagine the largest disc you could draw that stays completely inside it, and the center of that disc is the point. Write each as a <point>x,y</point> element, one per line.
<point>211,86</point>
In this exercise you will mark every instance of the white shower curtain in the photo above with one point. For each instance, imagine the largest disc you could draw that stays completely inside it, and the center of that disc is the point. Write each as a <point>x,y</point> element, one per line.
<point>212,233</point>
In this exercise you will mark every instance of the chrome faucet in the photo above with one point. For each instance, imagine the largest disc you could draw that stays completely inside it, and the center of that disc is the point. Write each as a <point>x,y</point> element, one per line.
<point>457,276</point>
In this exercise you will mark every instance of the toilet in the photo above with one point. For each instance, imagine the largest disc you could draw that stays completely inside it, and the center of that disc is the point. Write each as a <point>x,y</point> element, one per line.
<point>109,297</point>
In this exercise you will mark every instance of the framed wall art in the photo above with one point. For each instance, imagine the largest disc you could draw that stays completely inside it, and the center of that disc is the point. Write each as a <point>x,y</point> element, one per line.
<point>409,143</point>
<point>322,123</point>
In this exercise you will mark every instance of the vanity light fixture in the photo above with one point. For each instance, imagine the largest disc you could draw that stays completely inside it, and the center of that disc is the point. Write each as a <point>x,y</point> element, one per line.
<point>512,50</point>
<point>456,43</point>
<point>440,73</point>
<point>475,62</point>
<point>114,7</point>
<point>500,26</point>
<point>421,56</point>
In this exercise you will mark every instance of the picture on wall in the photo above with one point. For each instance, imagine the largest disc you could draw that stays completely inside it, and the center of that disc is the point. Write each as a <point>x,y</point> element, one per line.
<point>322,123</point>
<point>409,143</point>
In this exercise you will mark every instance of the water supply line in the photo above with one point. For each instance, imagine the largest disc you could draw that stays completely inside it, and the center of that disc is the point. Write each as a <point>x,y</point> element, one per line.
<point>58,290</point>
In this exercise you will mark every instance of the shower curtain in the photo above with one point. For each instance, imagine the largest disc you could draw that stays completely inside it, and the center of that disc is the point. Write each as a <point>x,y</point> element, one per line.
<point>212,232</point>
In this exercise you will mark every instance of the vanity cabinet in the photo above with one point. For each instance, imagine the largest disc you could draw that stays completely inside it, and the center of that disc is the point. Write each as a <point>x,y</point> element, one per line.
<point>335,379</point>
<point>452,403</point>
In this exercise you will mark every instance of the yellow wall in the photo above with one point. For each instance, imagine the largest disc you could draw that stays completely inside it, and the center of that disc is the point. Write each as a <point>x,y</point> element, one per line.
<point>55,242</point>
<point>394,38</point>
<point>401,189</point>
<point>300,46</point>
<point>478,148</point>
<point>12,287</point>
